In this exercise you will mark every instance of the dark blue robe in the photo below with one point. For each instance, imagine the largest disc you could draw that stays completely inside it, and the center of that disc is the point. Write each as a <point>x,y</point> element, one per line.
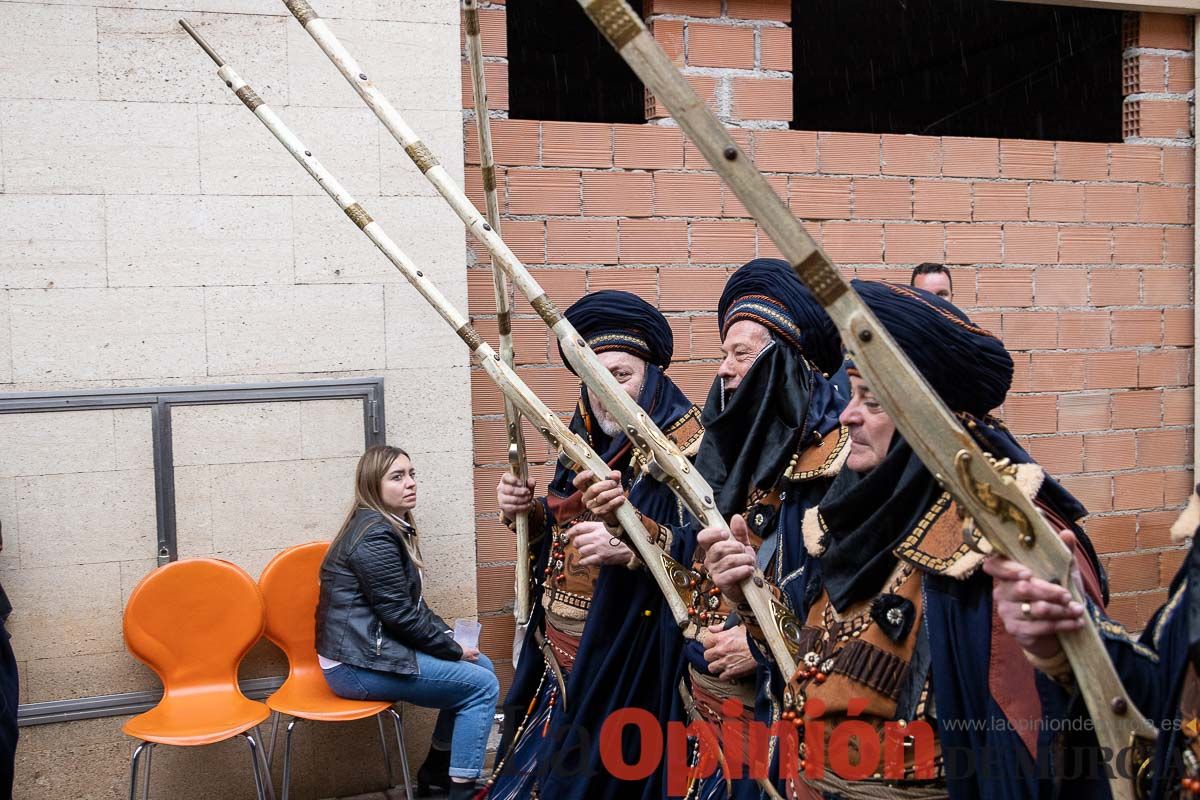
<point>9,697</point>
<point>1168,635</point>
<point>818,406</point>
<point>629,647</point>
<point>1153,672</point>
<point>985,757</point>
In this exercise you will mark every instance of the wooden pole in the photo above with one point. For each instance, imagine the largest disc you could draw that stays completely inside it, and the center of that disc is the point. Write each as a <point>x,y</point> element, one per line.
<point>987,490</point>
<point>512,420</point>
<point>672,578</point>
<point>665,460</point>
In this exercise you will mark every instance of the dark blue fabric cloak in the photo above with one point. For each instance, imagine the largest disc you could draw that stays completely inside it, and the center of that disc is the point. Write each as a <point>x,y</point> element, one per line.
<point>1155,681</point>
<point>986,759</point>
<point>819,405</point>
<point>629,646</point>
<point>1168,635</point>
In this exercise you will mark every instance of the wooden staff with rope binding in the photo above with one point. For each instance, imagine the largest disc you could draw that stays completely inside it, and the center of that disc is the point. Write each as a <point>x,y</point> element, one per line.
<point>986,489</point>
<point>512,420</point>
<point>671,580</point>
<point>664,461</point>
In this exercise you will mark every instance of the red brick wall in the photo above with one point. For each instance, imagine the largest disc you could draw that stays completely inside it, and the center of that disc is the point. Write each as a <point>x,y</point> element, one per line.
<point>1079,254</point>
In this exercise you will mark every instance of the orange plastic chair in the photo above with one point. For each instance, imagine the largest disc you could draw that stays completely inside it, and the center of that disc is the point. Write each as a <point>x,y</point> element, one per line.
<point>291,588</point>
<point>192,622</point>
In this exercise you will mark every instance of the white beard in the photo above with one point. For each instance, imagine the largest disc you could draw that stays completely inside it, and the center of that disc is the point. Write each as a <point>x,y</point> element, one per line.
<point>609,425</point>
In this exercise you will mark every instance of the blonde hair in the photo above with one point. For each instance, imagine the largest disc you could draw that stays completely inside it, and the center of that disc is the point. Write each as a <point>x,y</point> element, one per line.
<point>368,477</point>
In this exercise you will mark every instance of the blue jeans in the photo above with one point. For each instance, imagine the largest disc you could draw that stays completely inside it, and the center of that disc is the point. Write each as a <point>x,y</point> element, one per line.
<point>465,691</point>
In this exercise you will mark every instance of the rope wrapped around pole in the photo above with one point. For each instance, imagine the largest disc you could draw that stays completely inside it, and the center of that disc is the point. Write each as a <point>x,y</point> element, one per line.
<point>671,577</point>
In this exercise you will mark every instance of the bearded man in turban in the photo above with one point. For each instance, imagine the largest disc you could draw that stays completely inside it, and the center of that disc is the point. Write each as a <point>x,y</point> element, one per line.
<point>594,643</point>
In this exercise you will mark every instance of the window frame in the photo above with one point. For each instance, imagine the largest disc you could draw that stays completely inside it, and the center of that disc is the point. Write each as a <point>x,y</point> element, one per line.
<point>160,401</point>
<point>1189,7</point>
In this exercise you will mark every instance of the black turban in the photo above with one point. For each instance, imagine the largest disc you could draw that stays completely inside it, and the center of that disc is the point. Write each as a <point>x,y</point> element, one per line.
<point>864,517</point>
<point>967,366</point>
<point>767,291</point>
<point>613,320</point>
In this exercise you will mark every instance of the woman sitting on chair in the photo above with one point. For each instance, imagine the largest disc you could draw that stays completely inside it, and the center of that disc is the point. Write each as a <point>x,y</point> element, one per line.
<point>378,640</point>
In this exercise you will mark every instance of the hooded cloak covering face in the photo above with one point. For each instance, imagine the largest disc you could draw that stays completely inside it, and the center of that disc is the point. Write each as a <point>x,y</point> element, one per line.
<point>865,516</point>
<point>783,398</point>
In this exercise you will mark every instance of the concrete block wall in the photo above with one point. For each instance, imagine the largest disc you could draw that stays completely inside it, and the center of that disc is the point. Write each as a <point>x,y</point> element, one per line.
<point>153,233</point>
<point>1079,255</point>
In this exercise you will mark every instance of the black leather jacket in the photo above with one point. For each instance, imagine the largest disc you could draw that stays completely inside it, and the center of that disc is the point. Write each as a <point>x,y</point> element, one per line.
<point>371,613</point>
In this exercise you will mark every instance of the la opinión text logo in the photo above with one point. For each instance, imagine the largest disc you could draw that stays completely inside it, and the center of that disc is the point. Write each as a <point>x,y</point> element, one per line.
<point>853,749</point>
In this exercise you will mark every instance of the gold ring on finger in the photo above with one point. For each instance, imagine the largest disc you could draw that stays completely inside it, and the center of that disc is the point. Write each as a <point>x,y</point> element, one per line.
<point>1026,611</point>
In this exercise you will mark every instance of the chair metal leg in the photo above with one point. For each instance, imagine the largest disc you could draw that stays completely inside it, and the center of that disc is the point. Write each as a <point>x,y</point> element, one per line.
<point>259,791</point>
<point>275,715</point>
<point>387,756</point>
<point>149,761</point>
<point>287,758</point>
<point>133,769</point>
<point>262,754</point>
<point>397,722</point>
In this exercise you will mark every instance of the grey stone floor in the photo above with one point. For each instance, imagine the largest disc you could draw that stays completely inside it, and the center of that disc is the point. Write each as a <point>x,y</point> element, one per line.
<point>397,792</point>
<point>391,794</point>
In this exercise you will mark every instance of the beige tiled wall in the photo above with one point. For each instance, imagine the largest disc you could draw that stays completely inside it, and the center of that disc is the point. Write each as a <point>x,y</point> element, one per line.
<point>153,233</point>
<point>77,499</point>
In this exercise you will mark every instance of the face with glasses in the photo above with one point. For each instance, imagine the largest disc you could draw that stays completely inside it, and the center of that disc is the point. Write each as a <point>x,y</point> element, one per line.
<point>630,372</point>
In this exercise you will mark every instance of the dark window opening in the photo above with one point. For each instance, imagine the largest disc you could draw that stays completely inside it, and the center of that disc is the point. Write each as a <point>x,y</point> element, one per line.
<point>561,68</point>
<point>957,68</point>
